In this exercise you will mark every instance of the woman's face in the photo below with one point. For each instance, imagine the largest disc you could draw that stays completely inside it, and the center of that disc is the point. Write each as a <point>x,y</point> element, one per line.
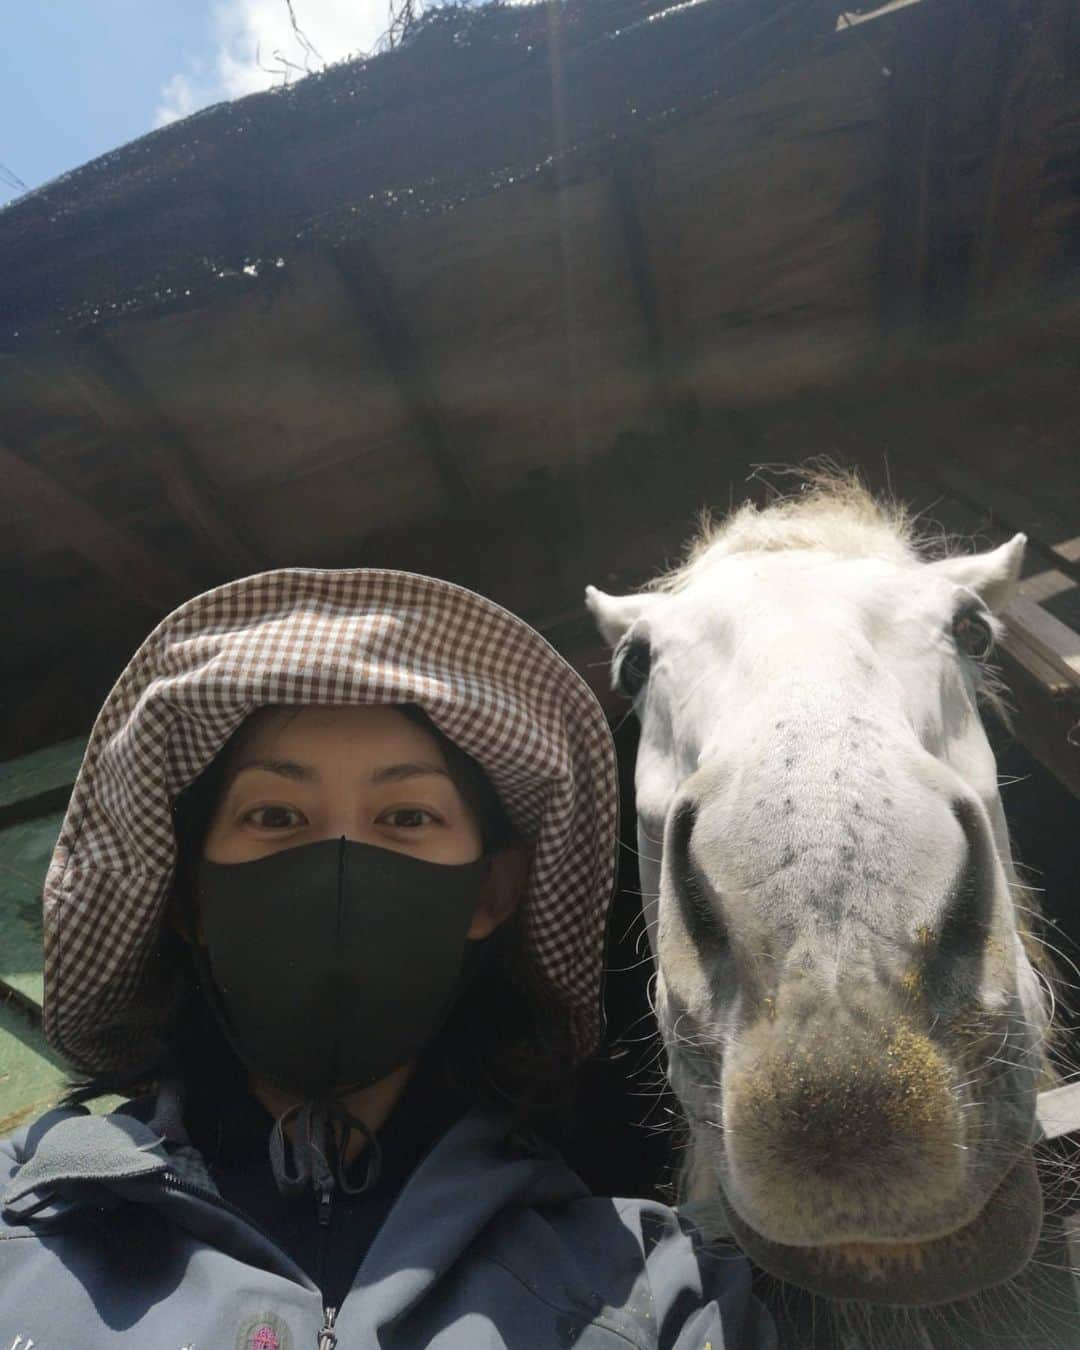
<point>370,774</point>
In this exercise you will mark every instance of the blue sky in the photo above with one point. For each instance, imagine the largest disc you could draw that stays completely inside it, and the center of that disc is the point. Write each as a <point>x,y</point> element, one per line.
<point>84,76</point>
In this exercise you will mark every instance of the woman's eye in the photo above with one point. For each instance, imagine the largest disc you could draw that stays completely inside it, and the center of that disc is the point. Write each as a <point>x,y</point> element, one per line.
<point>407,818</point>
<point>275,818</point>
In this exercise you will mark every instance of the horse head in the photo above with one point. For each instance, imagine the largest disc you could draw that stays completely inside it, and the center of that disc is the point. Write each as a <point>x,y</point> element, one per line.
<point>853,1021</point>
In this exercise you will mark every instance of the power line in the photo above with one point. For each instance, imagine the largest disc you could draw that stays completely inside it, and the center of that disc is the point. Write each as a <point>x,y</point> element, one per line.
<point>11,179</point>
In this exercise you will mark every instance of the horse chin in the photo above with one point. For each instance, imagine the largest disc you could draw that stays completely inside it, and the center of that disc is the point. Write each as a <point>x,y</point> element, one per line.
<point>994,1247</point>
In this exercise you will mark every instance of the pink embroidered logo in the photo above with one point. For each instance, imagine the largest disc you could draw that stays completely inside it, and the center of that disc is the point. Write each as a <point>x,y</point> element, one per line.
<point>262,1331</point>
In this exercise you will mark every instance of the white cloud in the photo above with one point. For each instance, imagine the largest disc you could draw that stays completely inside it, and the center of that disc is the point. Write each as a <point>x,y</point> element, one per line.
<point>178,98</point>
<point>254,46</point>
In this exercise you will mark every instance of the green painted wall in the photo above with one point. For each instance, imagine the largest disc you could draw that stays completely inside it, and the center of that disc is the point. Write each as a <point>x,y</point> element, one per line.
<point>50,770</point>
<point>32,793</point>
<point>25,850</point>
<point>32,1078</point>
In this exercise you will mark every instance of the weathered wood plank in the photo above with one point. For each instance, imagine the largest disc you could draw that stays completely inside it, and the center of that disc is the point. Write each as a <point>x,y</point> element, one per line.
<point>367,284</point>
<point>1047,722</point>
<point>1033,53</point>
<point>1047,585</point>
<point>1013,511</point>
<point>920,63</point>
<point>1056,643</point>
<point>633,181</point>
<point>1054,683</point>
<point>1058,1111</point>
<point>183,478</point>
<point>63,520</point>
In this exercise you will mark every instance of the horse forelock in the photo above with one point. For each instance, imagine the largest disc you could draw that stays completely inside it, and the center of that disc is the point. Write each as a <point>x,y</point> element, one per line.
<point>833,512</point>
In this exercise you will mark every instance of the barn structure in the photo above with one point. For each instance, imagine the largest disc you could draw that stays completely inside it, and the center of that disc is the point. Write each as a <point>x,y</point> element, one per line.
<point>509,304</point>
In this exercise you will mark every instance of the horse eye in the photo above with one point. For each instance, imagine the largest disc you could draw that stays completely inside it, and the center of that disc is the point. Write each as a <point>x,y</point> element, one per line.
<point>972,634</point>
<point>631,666</point>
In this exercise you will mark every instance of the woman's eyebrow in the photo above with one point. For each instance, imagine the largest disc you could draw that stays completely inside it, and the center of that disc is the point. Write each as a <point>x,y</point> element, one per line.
<point>307,773</point>
<point>284,768</point>
<point>396,773</point>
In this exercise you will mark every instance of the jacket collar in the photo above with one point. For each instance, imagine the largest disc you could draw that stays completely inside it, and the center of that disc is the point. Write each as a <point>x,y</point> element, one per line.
<point>66,1147</point>
<point>69,1147</point>
<point>477,1171</point>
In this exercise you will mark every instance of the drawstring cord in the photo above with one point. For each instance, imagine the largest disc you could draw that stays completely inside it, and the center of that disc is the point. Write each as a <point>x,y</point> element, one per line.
<point>374,1159</point>
<point>312,1134</point>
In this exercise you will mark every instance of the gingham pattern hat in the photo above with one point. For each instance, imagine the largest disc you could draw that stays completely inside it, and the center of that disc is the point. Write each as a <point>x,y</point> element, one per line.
<point>309,635</point>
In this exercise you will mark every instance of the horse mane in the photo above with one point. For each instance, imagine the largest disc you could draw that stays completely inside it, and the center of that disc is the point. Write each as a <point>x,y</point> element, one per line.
<point>831,511</point>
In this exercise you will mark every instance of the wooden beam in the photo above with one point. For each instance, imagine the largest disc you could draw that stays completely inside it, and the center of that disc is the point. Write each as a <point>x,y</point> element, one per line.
<point>1058,1110</point>
<point>1032,54</point>
<point>631,177</point>
<point>1054,641</point>
<point>60,519</point>
<point>1011,511</point>
<point>192,496</point>
<point>911,125</point>
<point>1049,677</point>
<point>372,295</point>
<point>854,18</point>
<point>967,116</point>
<point>1048,726</point>
<point>970,112</point>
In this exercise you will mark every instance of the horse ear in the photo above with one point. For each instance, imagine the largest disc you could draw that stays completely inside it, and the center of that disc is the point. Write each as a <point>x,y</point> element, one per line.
<point>992,576</point>
<point>615,613</point>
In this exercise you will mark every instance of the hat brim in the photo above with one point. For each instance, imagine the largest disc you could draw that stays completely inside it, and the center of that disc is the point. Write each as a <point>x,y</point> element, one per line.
<point>299,636</point>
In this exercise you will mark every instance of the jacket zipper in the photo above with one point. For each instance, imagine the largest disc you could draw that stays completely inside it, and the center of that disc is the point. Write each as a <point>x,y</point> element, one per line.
<point>327,1338</point>
<point>324,1207</point>
<point>327,1335</point>
<point>177,1183</point>
<point>325,1200</point>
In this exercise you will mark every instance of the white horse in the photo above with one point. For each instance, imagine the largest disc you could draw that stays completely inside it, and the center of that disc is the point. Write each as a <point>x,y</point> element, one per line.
<point>854,1021</point>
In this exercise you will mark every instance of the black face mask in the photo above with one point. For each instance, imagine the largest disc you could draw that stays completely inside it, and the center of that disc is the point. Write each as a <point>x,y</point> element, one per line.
<point>334,963</point>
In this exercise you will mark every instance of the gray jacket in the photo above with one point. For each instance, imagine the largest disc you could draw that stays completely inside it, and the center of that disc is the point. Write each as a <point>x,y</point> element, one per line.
<point>113,1234</point>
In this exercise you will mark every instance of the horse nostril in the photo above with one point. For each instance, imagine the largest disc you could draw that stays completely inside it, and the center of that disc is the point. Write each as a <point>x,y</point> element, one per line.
<point>695,897</point>
<point>965,922</point>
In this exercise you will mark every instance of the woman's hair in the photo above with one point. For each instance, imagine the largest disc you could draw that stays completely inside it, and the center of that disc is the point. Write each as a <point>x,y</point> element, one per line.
<point>506,1044</point>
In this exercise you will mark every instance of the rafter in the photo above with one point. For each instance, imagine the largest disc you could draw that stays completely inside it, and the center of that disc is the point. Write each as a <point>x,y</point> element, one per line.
<point>916,139</point>
<point>630,179</point>
<point>1032,55</point>
<point>371,293</point>
<point>190,494</point>
<point>58,518</point>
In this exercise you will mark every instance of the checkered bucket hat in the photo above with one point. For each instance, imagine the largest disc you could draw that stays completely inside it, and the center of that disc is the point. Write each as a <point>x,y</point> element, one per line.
<point>297,636</point>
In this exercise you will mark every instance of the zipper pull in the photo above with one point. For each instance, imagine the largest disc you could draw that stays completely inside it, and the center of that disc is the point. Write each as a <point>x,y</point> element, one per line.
<point>324,1207</point>
<point>327,1338</point>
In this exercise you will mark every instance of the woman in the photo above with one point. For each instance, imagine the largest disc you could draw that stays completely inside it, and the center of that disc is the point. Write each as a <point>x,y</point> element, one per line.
<point>328,905</point>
